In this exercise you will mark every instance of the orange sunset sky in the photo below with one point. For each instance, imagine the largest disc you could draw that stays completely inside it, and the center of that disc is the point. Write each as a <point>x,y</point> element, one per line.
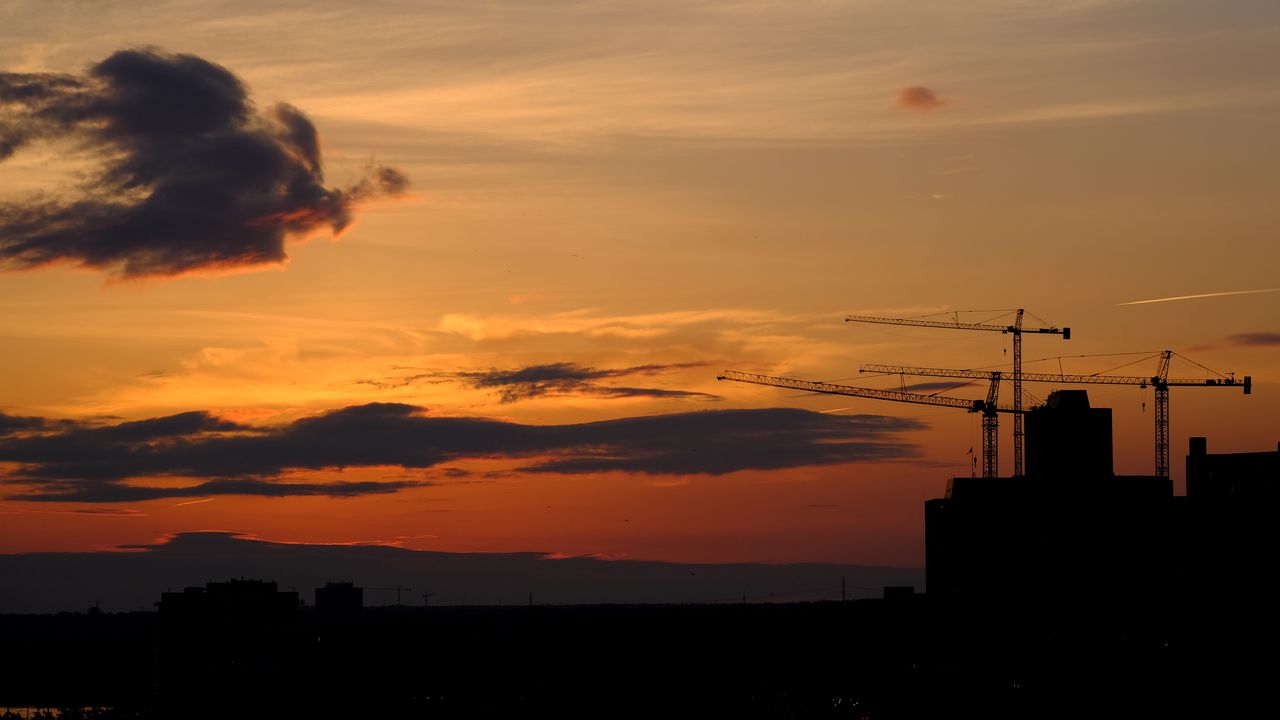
<point>606,204</point>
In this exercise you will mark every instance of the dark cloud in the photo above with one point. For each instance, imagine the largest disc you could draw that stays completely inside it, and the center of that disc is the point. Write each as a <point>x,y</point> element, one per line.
<point>569,378</point>
<point>918,98</point>
<point>551,379</point>
<point>107,464</point>
<point>191,176</point>
<point>390,383</point>
<point>116,492</point>
<point>110,512</point>
<point>91,444</point>
<point>1255,339</point>
<point>10,424</point>
<point>724,441</point>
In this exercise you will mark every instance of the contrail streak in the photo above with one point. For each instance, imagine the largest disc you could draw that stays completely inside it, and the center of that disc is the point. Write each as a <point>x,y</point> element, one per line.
<point>1204,295</point>
<point>194,502</point>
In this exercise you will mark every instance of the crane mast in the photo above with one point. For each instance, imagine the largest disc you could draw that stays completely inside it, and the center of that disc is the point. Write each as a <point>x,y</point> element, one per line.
<point>989,407</point>
<point>991,431</point>
<point>1160,381</point>
<point>1016,330</point>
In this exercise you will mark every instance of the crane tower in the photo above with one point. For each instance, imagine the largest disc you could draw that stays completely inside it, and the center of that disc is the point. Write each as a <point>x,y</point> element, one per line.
<point>1160,381</point>
<point>1015,329</point>
<point>989,407</point>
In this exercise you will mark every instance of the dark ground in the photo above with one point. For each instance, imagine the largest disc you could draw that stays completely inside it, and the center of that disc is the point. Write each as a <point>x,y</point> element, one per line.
<point>866,659</point>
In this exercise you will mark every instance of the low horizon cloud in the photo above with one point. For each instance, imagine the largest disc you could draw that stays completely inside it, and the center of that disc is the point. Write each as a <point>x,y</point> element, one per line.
<point>126,577</point>
<point>190,175</point>
<point>55,462</point>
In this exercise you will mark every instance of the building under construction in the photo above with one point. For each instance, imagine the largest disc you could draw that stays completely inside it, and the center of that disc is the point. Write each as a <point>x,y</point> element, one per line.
<point>1064,527</point>
<point>1071,532</point>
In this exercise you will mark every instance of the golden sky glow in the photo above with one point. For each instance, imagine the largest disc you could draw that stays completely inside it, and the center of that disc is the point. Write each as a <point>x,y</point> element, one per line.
<point>698,186</point>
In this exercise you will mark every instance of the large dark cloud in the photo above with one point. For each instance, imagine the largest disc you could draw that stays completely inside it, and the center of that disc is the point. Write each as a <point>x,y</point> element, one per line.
<point>10,424</point>
<point>725,441</point>
<point>190,176</point>
<point>112,463</point>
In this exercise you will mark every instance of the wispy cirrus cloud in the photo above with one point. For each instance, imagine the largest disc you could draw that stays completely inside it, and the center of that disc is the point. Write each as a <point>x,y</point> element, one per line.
<point>1256,339</point>
<point>591,324</point>
<point>114,463</point>
<point>191,177</point>
<point>1200,296</point>
<point>551,379</point>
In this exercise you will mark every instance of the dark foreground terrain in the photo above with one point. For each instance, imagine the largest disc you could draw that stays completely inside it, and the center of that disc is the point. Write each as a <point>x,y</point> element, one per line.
<point>903,658</point>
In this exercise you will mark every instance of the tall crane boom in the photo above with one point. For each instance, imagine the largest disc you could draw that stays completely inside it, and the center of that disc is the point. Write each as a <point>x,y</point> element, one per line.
<point>1016,330</point>
<point>1065,378</point>
<point>989,407</point>
<point>1160,381</point>
<point>873,393</point>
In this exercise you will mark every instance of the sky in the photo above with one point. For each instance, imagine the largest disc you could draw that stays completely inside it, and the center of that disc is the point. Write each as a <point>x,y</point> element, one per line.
<point>460,276</point>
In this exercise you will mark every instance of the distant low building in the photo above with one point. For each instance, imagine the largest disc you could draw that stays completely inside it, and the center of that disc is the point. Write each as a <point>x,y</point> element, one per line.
<point>244,599</point>
<point>238,634</point>
<point>1232,477</point>
<point>1230,533</point>
<point>339,598</point>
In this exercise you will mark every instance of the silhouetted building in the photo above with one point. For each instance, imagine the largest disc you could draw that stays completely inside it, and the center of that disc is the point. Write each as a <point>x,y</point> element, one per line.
<point>1069,530</point>
<point>1230,537</point>
<point>255,600</point>
<point>339,598</point>
<point>237,638</point>
<point>899,593</point>
<point>1067,439</point>
<point>1232,477</point>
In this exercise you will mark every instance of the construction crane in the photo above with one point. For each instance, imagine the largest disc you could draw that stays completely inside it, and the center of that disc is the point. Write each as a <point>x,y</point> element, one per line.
<point>1160,381</point>
<point>1016,330</point>
<point>989,407</point>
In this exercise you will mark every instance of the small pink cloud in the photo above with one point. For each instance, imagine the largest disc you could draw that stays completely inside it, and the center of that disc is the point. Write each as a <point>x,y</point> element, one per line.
<point>918,98</point>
